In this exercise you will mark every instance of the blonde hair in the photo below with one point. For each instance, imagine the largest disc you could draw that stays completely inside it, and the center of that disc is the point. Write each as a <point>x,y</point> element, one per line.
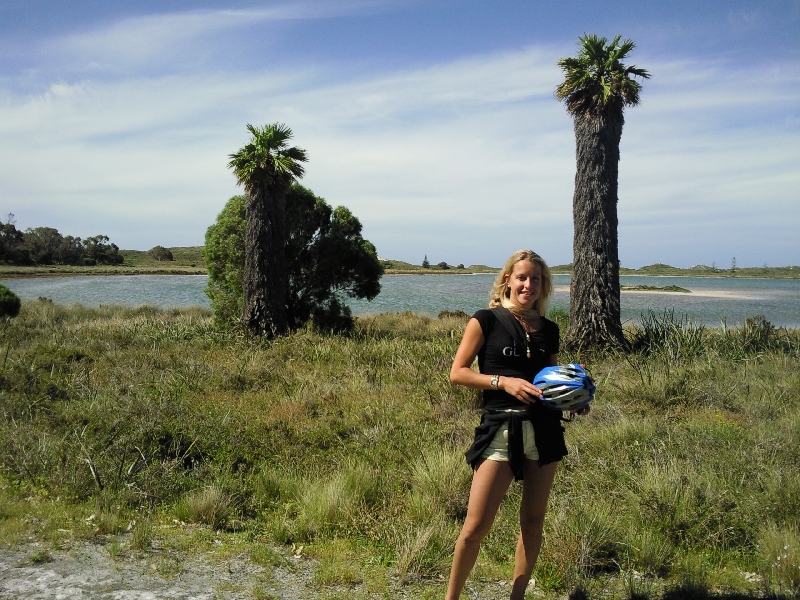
<point>500,288</point>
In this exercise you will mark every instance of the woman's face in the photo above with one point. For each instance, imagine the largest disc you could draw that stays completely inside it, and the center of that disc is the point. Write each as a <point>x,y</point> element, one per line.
<point>524,284</point>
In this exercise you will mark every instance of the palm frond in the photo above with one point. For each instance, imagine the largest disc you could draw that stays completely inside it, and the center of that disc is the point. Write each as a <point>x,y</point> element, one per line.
<point>266,159</point>
<point>597,79</point>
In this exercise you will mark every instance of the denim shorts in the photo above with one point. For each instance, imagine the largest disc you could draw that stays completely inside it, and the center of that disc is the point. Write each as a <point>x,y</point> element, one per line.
<point>498,449</point>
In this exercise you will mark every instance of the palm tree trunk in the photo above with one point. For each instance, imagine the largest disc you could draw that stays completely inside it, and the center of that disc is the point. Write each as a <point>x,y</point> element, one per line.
<point>594,304</point>
<point>264,281</point>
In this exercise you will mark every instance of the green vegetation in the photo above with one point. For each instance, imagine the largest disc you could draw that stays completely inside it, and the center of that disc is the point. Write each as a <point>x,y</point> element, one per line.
<point>790,272</point>
<point>186,261</point>
<point>562,269</point>
<point>182,257</point>
<point>326,262</point>
<point>160,253</point>
<point>46,246</point>
<point>267,167</point>
<point>189,261</point>
<point>399,267</point>
<point>348,450</point>
<point>223,254</point>
<point>10,304</point>
<point>597,87</point>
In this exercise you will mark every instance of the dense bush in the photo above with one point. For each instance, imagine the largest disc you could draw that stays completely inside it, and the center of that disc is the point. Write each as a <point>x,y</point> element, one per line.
<point>97,250</point>
<point>9,302</point>
<point>12,245</point>
<point>160,253</point>
<point>223,253</point>
<point>327,261</point>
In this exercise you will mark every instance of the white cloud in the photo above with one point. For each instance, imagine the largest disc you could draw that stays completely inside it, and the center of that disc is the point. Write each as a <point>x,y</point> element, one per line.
<point>176,41</point>
<point>433,161</point>
<point>710,165</point>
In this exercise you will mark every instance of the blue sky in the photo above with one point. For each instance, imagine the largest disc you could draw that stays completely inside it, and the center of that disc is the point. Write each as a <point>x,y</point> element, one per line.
<point>434,122</point>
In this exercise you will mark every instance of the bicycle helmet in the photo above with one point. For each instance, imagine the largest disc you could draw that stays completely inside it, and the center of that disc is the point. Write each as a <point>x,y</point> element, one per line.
<point>565,387</point>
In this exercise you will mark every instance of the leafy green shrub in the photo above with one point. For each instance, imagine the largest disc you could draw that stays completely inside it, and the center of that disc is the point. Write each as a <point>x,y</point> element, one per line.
<point>327,261</point>
<point>160,253</point>
<point>223,254</point>
<point>757,334</point>
<point>9,302</point>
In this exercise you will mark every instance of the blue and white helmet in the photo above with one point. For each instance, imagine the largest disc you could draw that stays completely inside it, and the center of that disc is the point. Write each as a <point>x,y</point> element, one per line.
<point>565,387</point>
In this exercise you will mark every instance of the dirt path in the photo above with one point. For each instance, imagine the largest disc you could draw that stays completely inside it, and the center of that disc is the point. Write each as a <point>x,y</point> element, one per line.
<point>89,571</point>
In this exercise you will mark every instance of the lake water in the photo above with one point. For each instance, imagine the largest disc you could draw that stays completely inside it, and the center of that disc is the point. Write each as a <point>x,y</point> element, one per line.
<point>712,299</point>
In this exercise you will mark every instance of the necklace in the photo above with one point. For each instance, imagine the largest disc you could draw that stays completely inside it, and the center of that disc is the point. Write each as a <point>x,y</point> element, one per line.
<point>521,321</point>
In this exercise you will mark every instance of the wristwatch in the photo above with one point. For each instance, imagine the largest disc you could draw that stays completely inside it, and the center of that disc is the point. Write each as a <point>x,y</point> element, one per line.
<point>495,381</point>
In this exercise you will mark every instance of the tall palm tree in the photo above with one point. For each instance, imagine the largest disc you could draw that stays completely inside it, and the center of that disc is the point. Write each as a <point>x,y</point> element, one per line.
<point>267,167</point>
<point>596,88</point>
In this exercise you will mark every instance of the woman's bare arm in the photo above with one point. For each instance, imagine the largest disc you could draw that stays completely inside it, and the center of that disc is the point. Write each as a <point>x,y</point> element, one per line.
<point>462,374</point>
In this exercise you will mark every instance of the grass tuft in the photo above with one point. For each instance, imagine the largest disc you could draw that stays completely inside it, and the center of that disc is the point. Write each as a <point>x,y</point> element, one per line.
<point>210,506</point>
<point>440,481</point>
<point>424,550</point>
<point>779,549</point>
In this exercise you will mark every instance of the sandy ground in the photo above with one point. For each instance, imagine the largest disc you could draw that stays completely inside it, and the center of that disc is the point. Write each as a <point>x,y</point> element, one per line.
<point>89,571</point>
<point>694,293</point>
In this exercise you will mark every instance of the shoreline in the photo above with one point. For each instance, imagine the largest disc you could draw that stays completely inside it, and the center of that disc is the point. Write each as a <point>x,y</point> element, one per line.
<point>15,273</point>
<point>47,272</point>
<point>116,271</point>
<point>697,293</point>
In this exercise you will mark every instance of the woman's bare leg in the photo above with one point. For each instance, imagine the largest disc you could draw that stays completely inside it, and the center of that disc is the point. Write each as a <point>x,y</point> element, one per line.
<point>489,486</point>
<point>535,493</point>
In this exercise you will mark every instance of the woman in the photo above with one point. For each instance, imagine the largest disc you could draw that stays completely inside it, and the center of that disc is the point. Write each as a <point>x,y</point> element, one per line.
<point>518,437</point>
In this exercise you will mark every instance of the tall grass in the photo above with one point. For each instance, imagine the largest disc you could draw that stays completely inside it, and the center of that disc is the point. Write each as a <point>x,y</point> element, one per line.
<point>684,471</point>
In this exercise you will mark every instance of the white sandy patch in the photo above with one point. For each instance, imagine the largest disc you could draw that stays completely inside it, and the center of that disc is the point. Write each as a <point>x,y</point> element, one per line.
<point>728,294</point>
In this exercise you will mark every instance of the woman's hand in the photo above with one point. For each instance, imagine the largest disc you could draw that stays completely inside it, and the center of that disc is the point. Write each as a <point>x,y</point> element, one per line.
<point>522,390</point>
